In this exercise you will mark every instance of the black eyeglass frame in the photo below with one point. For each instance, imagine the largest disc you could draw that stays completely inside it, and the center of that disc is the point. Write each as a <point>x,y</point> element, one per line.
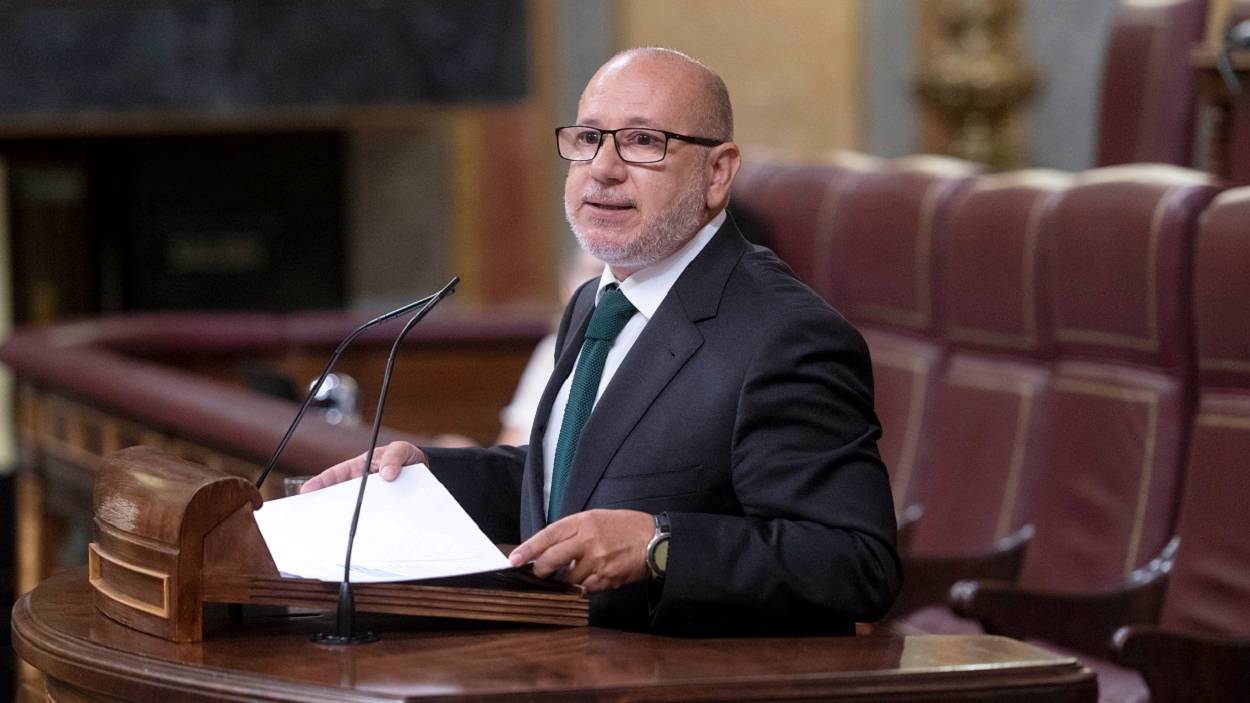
<point>701,141</point>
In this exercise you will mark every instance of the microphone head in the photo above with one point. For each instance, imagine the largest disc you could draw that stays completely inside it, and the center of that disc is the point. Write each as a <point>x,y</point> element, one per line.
<point>337,399</point>
<point>1238,35</point>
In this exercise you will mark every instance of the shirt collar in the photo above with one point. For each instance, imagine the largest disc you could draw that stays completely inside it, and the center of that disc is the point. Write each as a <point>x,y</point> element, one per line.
<point>647,288</point>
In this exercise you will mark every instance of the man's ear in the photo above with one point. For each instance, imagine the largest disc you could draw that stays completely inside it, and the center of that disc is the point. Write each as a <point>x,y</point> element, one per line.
<point>722,165</point>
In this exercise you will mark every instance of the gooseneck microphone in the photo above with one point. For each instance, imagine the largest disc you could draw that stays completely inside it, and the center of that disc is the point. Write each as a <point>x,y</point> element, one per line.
<point>273,460</point>
<point>1237,37</point>
<point>345,629</point>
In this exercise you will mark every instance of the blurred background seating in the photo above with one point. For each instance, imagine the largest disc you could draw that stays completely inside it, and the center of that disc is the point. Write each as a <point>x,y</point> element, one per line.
<point>1200,649</point>
<point>1148,89</point>
<point>985,440</point>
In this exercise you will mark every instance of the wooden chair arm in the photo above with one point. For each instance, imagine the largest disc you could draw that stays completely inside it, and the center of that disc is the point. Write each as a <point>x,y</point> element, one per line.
<point>1186,667</point>
<point>929,578</point>
<point>1082,621</point>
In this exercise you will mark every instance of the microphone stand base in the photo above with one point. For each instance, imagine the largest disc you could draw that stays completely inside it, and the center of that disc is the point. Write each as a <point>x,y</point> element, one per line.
<point>343,640</point>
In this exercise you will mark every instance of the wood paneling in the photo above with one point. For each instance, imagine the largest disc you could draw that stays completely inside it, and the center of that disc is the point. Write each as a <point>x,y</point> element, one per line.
<point>272,658</point>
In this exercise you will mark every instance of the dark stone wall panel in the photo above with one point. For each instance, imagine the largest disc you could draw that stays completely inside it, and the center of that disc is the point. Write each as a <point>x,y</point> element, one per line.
<point>62,58</point>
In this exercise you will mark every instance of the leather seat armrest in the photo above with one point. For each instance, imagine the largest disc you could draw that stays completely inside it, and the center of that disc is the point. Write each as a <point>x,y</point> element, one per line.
<point>929,578</point>
<point>1185,667</point>
<point>1082,621</point>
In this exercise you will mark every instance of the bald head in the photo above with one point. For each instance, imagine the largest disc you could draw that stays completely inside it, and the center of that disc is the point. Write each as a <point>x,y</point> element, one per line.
<point>631,214</point>
<point>702,88</point>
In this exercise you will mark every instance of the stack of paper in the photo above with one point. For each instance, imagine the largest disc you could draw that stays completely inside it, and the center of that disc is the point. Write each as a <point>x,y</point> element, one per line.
<point>410,528</point>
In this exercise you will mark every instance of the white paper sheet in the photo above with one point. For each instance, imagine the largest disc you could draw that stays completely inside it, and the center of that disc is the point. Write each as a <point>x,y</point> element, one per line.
<point>410,528</point>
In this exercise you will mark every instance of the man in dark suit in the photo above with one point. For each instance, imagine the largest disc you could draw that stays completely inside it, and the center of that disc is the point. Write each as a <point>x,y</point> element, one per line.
<point>704,456</point>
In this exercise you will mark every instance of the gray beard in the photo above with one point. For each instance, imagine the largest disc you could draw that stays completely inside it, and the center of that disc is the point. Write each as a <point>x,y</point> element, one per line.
<point>658,239</point>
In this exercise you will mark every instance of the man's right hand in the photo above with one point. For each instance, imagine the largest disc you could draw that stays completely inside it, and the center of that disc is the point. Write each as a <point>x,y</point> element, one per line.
<point>387,461</point>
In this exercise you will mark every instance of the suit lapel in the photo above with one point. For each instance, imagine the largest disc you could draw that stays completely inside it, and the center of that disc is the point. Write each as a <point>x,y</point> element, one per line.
<point>666,344</point>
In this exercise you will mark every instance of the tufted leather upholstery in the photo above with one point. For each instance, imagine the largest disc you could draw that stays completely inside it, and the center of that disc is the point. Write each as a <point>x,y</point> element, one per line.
<point>984,441</point>
<point>751,180</point>
<point>795,203</point>
<point>1118,276</point>
<point>1209,585</point>
<point>1209,588</point>
<point>1119,279</point>
<point>750,187</point>
<point>886,241</point>
<point>1220,294</point>
<point>1149,91</point>
<point>904,373</point>
<point>1121,263</point>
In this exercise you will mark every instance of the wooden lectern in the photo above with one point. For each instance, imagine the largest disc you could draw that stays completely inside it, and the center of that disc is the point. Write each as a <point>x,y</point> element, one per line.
<point>172,535</point>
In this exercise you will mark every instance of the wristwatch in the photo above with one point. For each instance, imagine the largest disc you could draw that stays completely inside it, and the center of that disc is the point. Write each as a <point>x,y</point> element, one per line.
<point>657,548</point>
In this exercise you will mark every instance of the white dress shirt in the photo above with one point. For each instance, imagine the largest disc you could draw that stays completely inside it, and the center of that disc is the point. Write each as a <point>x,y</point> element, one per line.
<point>645,290</point>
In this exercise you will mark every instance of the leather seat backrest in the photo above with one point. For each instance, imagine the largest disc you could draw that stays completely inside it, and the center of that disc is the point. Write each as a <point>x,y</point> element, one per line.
<point>751,184</point>
<point>887,242</point>
<point>984,442</point>
<point>886,238</point>
<point>1149,91</point>
<point>1209,587</point>
<point>905,371</point>
<point>1120,246</point>
<point>794,204</point>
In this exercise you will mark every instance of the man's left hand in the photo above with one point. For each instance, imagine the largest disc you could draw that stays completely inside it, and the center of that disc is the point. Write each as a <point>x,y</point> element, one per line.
<point>601,549</point>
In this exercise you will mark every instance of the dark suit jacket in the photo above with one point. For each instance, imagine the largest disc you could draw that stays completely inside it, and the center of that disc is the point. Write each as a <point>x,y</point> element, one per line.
<point>745,411</point>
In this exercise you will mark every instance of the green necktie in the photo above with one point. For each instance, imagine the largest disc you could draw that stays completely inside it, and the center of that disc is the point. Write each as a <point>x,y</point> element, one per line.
<point>609,317</point>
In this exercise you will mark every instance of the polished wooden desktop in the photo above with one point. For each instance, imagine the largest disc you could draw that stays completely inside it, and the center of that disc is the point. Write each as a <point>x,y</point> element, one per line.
<point>267,655</point>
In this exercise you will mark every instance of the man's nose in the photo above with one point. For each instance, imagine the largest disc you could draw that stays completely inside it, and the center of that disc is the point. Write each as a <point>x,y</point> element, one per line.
<point>607,164</point>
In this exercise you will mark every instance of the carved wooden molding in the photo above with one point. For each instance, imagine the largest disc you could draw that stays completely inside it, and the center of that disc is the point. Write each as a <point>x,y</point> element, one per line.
<point>974,78</point>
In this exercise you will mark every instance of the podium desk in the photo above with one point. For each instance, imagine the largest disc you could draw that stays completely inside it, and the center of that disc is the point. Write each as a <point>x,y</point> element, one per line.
<point>85,656</point>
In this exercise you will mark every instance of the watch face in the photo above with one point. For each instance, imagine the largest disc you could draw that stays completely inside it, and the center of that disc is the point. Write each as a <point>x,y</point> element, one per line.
<point>661,554</point>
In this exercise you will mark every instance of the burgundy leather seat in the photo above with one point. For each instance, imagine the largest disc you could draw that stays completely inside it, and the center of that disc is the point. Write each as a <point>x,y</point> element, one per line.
<point>751,184</point>
<point>887,238</point>
<point>794,203</point>
<point>1201,647</point>
<point>1149,91</point>
<point>1121,285</point>
<point>984,441</point>
<point>1119,280</point>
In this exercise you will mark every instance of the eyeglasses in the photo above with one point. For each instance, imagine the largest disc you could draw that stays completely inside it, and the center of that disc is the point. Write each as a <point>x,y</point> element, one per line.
<point>635,145</point>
